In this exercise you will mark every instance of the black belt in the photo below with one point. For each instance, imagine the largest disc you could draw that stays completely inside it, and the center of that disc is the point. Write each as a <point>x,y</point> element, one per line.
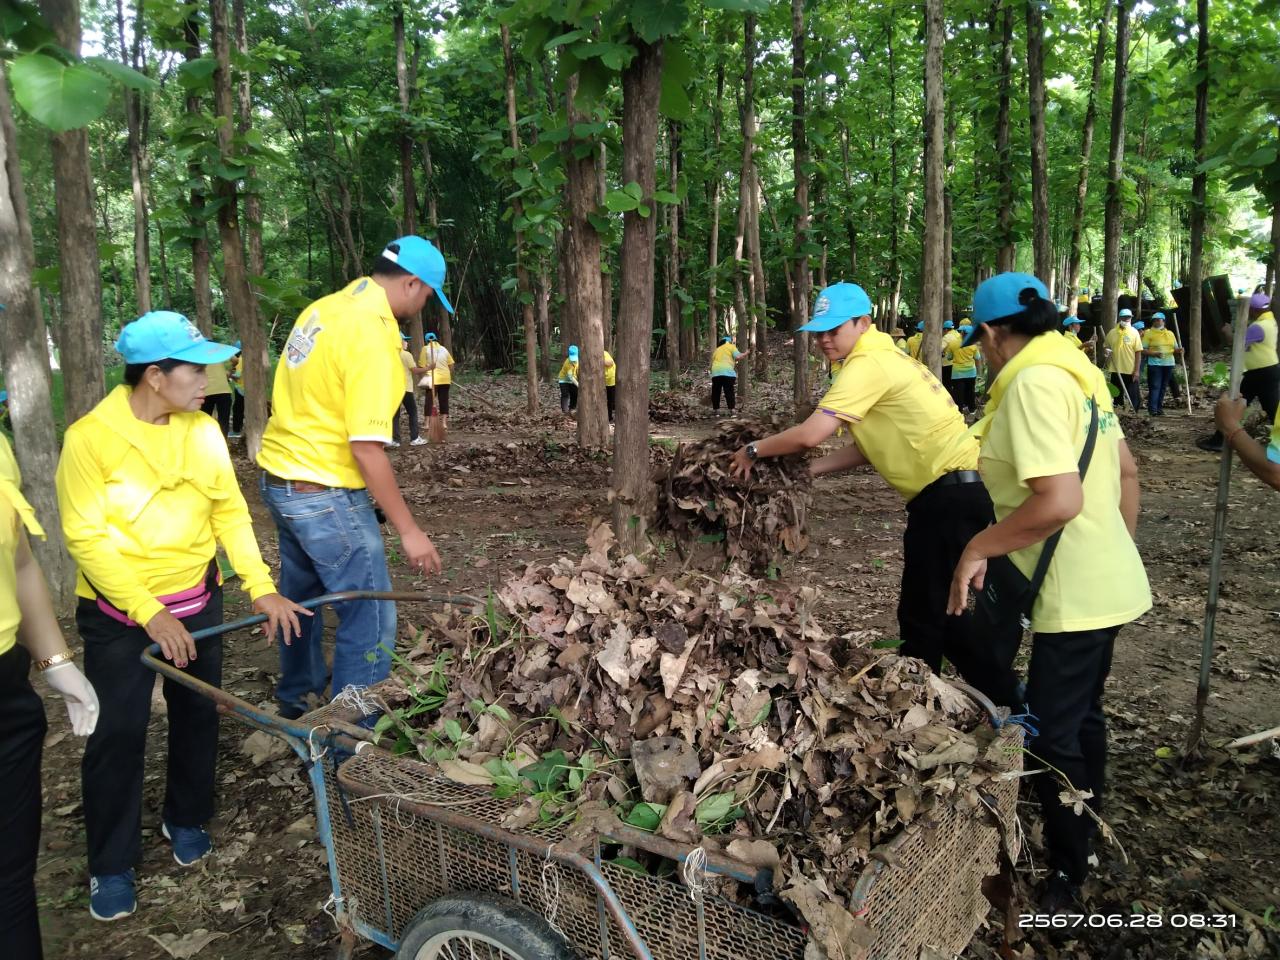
<point>953,479</point>
<point>302,486</point>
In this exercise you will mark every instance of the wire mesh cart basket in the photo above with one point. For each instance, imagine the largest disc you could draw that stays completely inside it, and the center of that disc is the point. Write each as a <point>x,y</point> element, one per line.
<point>424,866</point>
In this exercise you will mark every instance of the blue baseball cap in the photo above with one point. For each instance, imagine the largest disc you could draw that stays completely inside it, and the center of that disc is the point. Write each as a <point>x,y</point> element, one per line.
<point>1126,313</point>
<point>166,335</point>
<point>237,344</point>
<point>835,305</point>
<point>1139,325</point>
<point>421,258</point>
<point>430,338</point>
<point>728,339</point>
<point>919,324</point>
<point>1071,321</point>
<point>1158,315</point>
<point>4,395</point>
<point>404,336</point>
<point>573,353</point>
<point>966,327</point>
<point>948,325</point>
<point>1002,297</point>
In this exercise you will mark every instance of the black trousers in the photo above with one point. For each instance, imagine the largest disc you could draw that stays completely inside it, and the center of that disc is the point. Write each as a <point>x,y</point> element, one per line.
<point>940,524</point>
<point>946,379</point>
<point>111,772</point>
<point>1262,385</point>
<point>22,729</point>
<point>1128,386</point>
<point>610,399</point>
<point>965,391</point>
<point>218,406</point>
<point>1064,692</point>
<point>410,405</point>
<point>568,397</point>
<point>237,411</point>
<point>725,386</point>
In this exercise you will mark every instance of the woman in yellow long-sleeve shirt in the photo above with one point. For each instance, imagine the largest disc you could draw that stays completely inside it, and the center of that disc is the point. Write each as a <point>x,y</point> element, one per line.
<point>147,491</point>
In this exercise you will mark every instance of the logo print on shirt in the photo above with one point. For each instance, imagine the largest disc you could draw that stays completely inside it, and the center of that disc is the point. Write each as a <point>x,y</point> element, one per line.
<point>302,340</point>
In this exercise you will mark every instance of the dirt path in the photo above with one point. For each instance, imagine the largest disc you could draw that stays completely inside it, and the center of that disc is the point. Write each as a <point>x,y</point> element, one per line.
<point>1201,840</point>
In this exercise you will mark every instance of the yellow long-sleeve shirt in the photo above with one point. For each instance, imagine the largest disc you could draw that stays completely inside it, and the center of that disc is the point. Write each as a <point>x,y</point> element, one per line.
<point>144,506</point>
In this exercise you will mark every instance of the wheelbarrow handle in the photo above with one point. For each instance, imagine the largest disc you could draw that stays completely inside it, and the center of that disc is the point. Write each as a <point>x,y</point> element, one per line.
<point>256,715</point>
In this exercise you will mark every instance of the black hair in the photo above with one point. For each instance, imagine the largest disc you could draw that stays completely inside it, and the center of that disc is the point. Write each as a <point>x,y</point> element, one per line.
<point>1038,316</point>
<point>133,371</point>
<point>382,267</point>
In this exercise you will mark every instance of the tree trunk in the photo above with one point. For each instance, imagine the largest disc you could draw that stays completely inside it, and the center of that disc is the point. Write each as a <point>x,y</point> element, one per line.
<point>80,289</point>
<point>240,300</point>
<point>444,325</point>
<point>606,278</point>
<point>1005,250</point>
<point>671,282</point>
<point>1199,187</point>
<point>1086,151</point>
<point>252,200</point>
<point>932,278</point>
<point>137,161</point>
<point>408,190</point>
<point>948,224</point>
<point>544,323</point>
<point>713,240</point>
<point>1273,265</point>
<point>582,280</point>
<point>26,363</point>
<point>1114,213</point>
<point>756,302</point>
<point>195,215</point>
<point>523,288</point>
<point>1041,243</point>
<point>641,85</point>
<point>800,166</point>
<point>895,268</point>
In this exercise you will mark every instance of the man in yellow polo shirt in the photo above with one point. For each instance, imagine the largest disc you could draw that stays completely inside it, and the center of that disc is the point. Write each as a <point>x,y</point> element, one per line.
<point>906,426</point>
<point>1261,380</point>
<point>323,462</point>
<point>1123,345</point>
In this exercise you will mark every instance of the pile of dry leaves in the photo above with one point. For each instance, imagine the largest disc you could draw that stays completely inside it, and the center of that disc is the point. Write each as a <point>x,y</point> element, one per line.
<point>712,711</point>
<point>754,521</point>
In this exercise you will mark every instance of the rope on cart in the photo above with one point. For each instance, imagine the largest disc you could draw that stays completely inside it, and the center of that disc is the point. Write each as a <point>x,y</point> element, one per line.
<point>316,755</point>
<point>551,892</point>
<point>695,873</point>
<point>353,698</point>
<point>334,908</point>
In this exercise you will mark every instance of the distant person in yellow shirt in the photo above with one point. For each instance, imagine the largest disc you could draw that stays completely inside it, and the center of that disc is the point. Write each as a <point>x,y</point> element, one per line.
<point>724,373</point>
<point>324,464</point>
<point>1261,380</point>
<point>410,402</point>
<point>217,396</point>
<point>1072,326</point>
<point>147,491</point>
<point>437,371</point>
<point>236,376</point>
<point>964,372</point>
<point>1047,404</point>
<point>568,379</point>
<point>950,340</point>
<point>906,426</point>
<point>1160,347</point>
<point>29,635</point>
<point>610,382</point>
<point>915,340</point>
<point>1123,346</point>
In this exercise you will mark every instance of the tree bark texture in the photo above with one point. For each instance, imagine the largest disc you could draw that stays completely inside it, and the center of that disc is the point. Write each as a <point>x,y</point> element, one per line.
<point>133,110</point>
<point>932,273</point>
<point>524,289</point>
<point>800,238</point>
<point>80,287</point>
<point>713,238</point>
<point>1086,152</point>
<point>1003,21</point>
<point>408,190</point>
<point>582,278</point>
<point>641,86</point>
<point>195,215</point>
<point>252,199</point>
<point>1199,189</point>
<point>1042,246</point>
<point>757,298</point>
<point>606,278</point>
<point>673,259</point>
<point>26,364</point>
<point>1114,213</point>
<point>241,303</point>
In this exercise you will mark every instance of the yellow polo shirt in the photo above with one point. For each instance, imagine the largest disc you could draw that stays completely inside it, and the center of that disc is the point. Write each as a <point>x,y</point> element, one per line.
<point>1263,354</point>
<point>951,341</point>
<point>144,506</point>
<point>340,379</point>
<point>1096,579</point>
<point>901,417</point>
<point>406,359</point>
<point>15,513</point>
<point>1073,339</point>
<point>722,360</point>
<point>1124,344</point>
<point>1159,344</point>
<point>218,383</point>
<point>610,371</point>
<point>913,345</point>
<point>965,361</point>
<point>568,372</point>
<point>438,362</point>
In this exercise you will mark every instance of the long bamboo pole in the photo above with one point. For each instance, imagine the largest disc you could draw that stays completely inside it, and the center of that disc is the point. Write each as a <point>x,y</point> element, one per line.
<point>1219,537</point>
<point>1186,377</point>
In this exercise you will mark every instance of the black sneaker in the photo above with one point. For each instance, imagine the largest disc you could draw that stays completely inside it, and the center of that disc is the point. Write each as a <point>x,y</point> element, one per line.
<point>1060,895</point>
<point>1210,444</point>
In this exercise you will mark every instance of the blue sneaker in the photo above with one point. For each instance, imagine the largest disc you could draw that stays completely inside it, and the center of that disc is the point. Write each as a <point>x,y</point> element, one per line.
<point>189,843</point>
<point>111,896</point>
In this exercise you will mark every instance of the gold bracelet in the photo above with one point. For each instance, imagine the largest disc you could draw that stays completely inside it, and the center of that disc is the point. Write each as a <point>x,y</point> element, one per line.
<point>65,657</point>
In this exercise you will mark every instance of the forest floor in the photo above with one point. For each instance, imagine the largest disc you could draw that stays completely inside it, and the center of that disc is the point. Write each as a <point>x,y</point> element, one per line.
<point>508,490</point>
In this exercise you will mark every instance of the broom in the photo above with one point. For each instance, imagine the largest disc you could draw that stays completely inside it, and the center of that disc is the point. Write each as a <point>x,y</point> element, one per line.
<point>435,428</point>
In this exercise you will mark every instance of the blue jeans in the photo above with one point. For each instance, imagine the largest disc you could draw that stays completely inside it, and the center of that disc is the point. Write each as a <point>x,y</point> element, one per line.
<point>330,542</point>
<point>1157,383</point>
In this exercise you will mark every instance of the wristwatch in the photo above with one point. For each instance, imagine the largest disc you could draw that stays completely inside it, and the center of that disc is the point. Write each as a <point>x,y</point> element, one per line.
<point>751,452</point>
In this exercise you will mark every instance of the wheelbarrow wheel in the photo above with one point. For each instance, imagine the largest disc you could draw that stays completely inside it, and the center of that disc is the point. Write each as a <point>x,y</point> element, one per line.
<point>484,926</point>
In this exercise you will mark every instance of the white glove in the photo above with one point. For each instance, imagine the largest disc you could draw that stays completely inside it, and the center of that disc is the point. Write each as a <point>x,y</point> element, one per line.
<point>82,702</point>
